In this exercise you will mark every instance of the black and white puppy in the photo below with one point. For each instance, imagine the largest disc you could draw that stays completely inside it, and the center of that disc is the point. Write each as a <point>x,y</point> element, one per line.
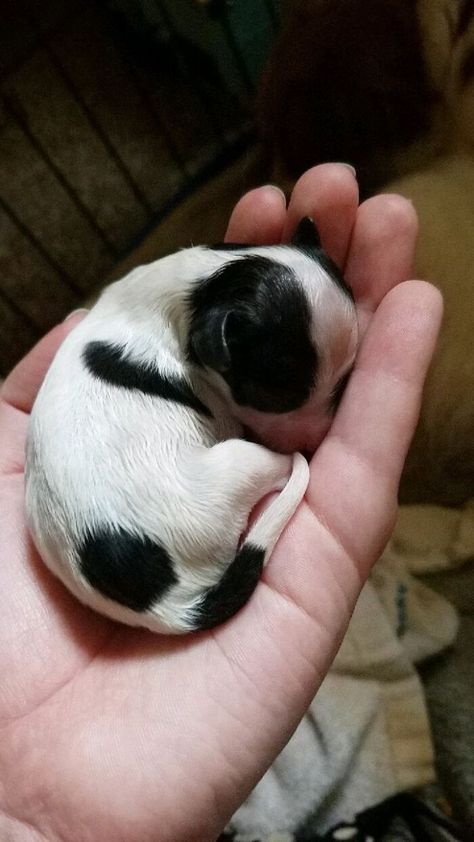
<point>139,484</point>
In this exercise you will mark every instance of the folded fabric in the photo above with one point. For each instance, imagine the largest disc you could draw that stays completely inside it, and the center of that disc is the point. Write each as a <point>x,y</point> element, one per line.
<point>432,538</point>
<point>366,735</point>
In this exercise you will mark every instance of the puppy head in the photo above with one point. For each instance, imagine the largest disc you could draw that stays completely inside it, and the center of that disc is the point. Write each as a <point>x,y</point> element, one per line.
<point>252,325</point>
<point>276,330</point>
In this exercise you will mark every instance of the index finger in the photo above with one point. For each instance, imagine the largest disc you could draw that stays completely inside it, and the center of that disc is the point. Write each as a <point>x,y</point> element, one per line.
<point>329,194</point>
<point>366,446</point>
<point>351,499</point>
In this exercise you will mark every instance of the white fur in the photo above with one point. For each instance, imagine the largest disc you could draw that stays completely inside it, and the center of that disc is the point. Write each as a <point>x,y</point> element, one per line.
<point>99,454</point>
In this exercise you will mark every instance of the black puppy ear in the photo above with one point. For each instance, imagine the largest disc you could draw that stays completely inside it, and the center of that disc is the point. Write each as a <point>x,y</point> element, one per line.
<point>306,234</point>
<point>208,341</point>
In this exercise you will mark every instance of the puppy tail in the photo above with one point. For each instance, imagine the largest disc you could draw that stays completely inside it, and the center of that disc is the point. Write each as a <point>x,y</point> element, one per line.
<point>240,579</point>
<point>266,531</point>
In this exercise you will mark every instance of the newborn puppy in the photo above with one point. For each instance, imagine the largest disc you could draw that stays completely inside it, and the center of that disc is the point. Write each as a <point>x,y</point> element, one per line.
<point>139,485</point>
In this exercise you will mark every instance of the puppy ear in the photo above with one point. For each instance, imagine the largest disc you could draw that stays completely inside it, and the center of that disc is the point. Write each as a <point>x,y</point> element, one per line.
<point>306,234</point>
<point>209,341</point>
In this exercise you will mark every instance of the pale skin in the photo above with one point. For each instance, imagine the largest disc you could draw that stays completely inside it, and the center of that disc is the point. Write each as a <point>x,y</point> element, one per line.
<point>111,733</point>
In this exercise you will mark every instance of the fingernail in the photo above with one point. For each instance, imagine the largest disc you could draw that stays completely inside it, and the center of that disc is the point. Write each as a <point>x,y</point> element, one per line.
<point>80,310</point>
<point>277,189</point>
<point>348,166</point>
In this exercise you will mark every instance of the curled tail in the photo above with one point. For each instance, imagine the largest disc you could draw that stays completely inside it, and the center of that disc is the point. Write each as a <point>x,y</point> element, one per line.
<point>240,579</point>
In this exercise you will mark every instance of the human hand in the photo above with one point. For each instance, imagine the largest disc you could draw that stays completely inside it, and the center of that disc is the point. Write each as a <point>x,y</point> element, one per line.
<point>112,733</point>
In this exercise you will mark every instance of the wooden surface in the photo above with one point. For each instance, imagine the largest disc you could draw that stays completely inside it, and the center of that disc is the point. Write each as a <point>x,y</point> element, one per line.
<point>92,148</point>
<point>201,218</point>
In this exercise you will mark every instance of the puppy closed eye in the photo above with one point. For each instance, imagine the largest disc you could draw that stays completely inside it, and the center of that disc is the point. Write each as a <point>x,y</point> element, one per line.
<point>338,391</point>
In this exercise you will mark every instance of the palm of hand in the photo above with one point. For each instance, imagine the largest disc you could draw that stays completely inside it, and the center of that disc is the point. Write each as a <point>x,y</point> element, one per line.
<point>112,733</point>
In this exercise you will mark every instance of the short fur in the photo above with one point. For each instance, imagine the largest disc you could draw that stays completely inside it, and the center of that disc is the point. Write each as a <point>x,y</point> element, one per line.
<point>139,486</point>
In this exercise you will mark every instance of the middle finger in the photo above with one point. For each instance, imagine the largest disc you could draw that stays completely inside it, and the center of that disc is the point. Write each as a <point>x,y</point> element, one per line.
<point>329,194</point>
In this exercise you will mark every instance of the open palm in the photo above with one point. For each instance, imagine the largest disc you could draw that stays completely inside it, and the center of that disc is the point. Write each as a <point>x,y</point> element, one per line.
<point>109,733</point>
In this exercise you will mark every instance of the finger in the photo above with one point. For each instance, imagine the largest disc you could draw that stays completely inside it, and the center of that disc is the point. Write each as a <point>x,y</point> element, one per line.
<point>363,455</point>
<point>351,501</point>
<point>22,384</point>
<point>329,194</point>
<point>382,249</point>
<point>258,217</point>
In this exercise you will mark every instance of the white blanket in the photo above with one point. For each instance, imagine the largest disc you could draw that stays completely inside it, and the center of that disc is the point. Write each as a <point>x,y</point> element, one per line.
<point>367,733</point>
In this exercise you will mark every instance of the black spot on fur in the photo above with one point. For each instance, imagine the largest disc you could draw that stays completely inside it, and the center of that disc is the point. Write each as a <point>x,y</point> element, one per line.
<point>132,571</point>
<point>251,321</point>
<point>234,589</point>
<point>306,238</point>
<point>338,391</point>
<point>306,234</point>
<point>108,362</point>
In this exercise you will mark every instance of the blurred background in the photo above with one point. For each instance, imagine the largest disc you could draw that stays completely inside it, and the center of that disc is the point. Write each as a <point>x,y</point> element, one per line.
<point>110,114</point>
<point>129,128</point>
